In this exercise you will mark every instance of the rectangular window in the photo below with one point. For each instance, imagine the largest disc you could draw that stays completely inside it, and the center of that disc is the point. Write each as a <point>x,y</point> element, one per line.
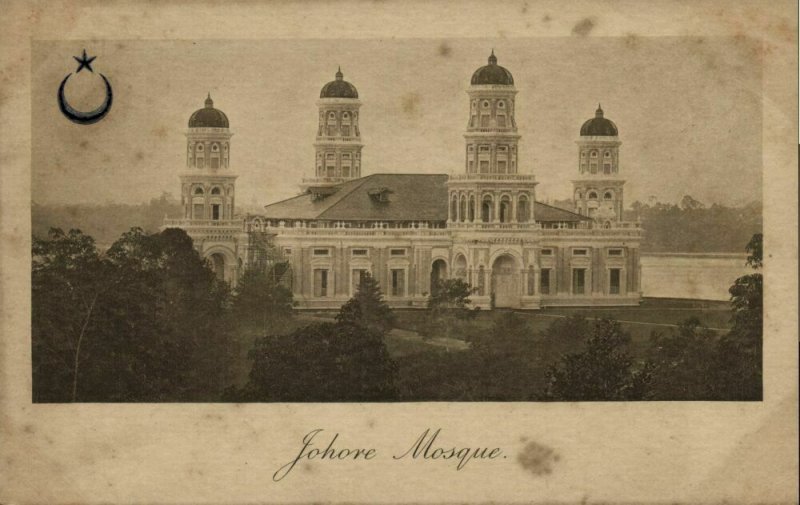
<point>501,166</point>
<point>471,166</point>
<point>593,166</point>
<point>578,281</point>
<point>484,120</point>
<point>580,252</point>
<point>287,251</point>
<point>322,252</point>
<point>398,282</point>
<point>345,131</point>
<point>606,168</point>
<point>359,252</point>
<point>346,171</point>
<point>320,282</point>
<point>214,162</point>
<point>501,121</point>
<point>215,212</point>
<point>544,281</point>
<point>357,276</point>
<point>484,166</point>
<point>546,252</point>
<point>615,252</point>
<point>613,281</point>
<point>397,252</point>
<point>198,211</point>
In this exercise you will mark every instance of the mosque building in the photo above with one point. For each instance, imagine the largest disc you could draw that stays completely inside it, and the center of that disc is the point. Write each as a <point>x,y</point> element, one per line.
<point>481,224</point>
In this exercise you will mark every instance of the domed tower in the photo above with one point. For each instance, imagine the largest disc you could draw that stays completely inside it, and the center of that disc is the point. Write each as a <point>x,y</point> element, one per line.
<point>491,189</point>
<point>207,185</point>
<point>598,192</point>
<point>338,145</point>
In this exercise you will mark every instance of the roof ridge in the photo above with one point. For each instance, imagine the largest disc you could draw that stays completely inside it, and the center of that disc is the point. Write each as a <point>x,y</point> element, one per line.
<point>360,180</point>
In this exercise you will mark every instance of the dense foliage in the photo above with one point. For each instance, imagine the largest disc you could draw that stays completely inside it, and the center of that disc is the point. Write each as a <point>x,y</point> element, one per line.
<point>326,362</point>
<point>144,322</point>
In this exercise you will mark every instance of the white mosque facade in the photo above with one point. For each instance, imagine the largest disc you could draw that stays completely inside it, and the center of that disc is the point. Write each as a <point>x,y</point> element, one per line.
<point>481,223</point>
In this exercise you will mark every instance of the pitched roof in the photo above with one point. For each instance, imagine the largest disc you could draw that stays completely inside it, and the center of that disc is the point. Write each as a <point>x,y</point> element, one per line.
<point>409,197</point>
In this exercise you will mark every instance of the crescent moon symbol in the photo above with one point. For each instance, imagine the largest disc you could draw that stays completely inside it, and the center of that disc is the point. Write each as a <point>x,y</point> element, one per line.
<point>90,117</point>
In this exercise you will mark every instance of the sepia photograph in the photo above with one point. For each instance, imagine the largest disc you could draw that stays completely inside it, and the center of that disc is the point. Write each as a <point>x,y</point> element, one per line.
<point>419,252</point>
<point>526,220</point>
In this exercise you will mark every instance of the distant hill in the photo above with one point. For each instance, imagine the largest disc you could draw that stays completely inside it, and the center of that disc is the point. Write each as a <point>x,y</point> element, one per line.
<point>105,222</point>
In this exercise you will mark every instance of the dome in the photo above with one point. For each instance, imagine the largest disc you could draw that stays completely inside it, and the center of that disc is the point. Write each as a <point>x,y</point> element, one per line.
<point>339,88</point>
<point>208,117</point>
<point>492,74</point>
<point>599,126</point>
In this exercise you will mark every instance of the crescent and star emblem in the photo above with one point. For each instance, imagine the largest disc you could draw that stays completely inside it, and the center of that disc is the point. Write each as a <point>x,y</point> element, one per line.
<point>75,115</point>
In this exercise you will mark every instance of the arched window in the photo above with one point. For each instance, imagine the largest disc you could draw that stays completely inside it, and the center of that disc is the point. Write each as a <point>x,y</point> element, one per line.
<point>454,209</point>
<point>463,208</point>
<point>523,211</point>
<point>199,148</point>
<point>505,209</point>
<point>486,209</point>
<point>501,105</point>
<point>592,195</point>
<point>225,147</point>
<point>471,208</point>
<point>345,115</point>
<point>198,191</point>
<point>332,115</point>
<point>214,147</point>
<point>594,154</point>
<point>607,154</point>
<point>485,104</point>
<point>608,195</point>
<point>583,154</point>
<point>216,191</point>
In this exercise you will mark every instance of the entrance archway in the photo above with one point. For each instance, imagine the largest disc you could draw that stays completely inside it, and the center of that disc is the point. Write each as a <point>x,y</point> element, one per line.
<point>217,261</point>
<point>460,267</point>
<point>505,281</point>
<point>438,272</point>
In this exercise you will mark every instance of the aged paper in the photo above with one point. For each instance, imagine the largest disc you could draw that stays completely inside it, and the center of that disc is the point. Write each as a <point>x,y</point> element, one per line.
<point>702,96</point>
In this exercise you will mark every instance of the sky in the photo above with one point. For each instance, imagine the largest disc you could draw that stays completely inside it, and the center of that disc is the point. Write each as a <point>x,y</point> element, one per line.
<point>688,111</point>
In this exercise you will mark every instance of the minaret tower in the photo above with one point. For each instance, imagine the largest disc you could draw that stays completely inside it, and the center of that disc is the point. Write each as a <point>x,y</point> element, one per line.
<point>491,189</point>
<point>207,184</point>
<point>598,192</point>
<point>338,145</point>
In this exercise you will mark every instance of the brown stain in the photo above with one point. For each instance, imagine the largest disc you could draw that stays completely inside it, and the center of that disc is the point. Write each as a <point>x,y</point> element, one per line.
<point>410,103</point>
<point>29,428</point>
<point>536,458</point>
<point>139,156</point>
<point>371,423</point>
<point>445,50</point>
<point>583,27</point>
<point>84,144</point>
<point>524,8</point>
<point>632,41</point>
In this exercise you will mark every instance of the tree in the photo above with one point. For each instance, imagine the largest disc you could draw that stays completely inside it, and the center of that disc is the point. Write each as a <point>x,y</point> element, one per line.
<point>447,303</point>
<point>601,372</point>
<point>68,282</point>
<point>682,362</point>
<point>260,299</point>
<point>450,294</point>
<point>144,322</point>
<point>327,362</point>
<point>740,351</point>
<point>367,308</point>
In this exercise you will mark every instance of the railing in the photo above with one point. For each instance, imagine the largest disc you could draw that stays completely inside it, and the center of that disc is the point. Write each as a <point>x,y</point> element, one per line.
<point>328,138</point>
<point>494,226</point>
<point>358,232</point>
<point>320,180</point>
<point>204,223</point>
<point>491,129</point>
<point>492,177</point>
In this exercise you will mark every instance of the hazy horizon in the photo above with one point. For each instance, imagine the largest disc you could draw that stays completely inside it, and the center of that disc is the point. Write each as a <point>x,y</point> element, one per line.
<point>688,111</point>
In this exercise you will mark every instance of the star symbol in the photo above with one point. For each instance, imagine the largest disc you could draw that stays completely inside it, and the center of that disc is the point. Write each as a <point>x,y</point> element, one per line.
<point>85,62</point>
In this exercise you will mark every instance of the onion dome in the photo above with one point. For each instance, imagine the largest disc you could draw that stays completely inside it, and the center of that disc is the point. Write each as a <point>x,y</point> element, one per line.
<point>493,74</point>
<point>208,117</point>
<point>339,88</point>
<point>599,126</point>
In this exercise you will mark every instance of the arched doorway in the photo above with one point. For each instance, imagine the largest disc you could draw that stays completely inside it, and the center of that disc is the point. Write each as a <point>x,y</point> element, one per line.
<point>438,272</point>
<point>217,261</point>
<point>505,281</point>
<point>460,267</point>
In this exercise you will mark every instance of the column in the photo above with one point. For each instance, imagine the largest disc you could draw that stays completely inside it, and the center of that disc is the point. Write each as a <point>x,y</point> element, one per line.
<point>514,196</point>
<point>496,202</point>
